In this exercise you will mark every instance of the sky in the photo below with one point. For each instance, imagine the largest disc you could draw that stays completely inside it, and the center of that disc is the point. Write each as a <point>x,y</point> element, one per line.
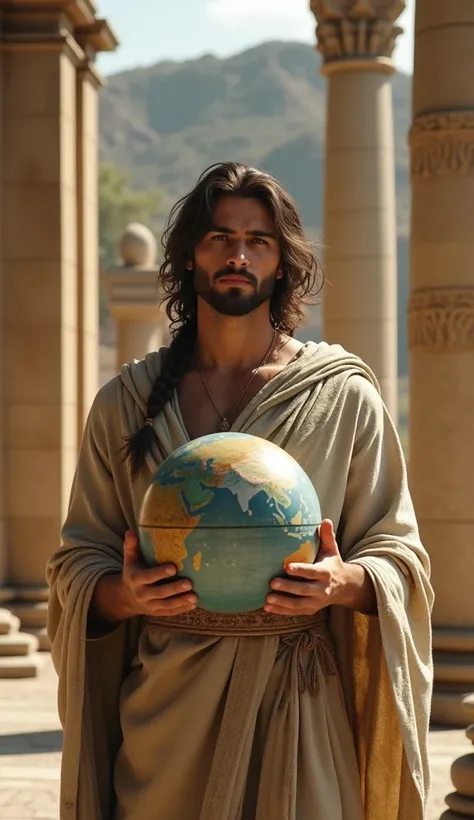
<point>153,30</point>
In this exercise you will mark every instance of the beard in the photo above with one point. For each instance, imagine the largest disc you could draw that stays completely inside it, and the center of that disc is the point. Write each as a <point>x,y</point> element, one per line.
<point>235,301</point>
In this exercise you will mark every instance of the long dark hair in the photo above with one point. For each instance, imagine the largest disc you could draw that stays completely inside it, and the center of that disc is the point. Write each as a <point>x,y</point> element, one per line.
<point>189,221</point>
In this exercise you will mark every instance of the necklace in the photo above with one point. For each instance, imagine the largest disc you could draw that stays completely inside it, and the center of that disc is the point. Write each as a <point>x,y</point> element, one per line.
<point>224,424</point>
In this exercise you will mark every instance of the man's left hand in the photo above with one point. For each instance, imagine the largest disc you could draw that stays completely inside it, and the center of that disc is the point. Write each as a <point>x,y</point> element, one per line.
<point>323,583</point>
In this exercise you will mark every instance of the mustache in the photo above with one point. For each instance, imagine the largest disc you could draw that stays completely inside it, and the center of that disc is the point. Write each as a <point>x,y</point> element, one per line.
<point>248,275</point>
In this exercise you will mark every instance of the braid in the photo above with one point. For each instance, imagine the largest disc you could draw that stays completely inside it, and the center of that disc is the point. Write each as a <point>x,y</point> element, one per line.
<point>176,363</point>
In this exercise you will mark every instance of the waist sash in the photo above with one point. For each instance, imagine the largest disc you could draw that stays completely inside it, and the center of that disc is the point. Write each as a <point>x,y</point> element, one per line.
<point>244,624</point>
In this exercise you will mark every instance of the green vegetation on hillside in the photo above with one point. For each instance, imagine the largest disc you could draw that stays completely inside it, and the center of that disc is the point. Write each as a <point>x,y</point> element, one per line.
<point>120,204</point>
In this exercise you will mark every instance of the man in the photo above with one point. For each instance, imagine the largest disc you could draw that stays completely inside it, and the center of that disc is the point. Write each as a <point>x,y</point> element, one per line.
<point>315,706</point>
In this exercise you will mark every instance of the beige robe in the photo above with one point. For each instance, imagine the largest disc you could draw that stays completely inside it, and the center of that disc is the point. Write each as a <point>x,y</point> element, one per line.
<point>325,410</point>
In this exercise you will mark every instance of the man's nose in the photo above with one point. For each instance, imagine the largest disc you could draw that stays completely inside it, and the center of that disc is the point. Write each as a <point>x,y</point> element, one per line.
<point>238,257</point>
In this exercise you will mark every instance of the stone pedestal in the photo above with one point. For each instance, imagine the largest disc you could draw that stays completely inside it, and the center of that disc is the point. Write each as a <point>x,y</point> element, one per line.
<point>47,197</point>
<point>461,802</point>
<point>18,655</point>
<point>132,296</point>
<point>356,41</point>
<point>30,606</point>
<point>441,334</point>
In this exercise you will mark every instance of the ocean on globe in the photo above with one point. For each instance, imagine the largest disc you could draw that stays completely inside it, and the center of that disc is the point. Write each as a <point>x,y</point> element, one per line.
<point>230,511</point>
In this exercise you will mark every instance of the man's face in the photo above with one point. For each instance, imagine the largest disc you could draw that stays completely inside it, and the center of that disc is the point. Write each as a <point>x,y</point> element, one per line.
<point>236,265</point>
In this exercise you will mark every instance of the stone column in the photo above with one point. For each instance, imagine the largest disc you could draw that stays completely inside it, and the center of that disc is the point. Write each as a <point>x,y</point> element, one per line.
<point>9,626</point>
<point>3,554</point>
<point>41,322</point>
<point>441,334</point>
<point>132,295</point>
<point>92,38</point>
<point>87,128</point>
<point>356,40</point>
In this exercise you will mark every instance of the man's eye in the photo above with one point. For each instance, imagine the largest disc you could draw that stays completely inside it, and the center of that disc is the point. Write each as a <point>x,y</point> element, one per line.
<point>219,237</point>
<point>259,240</point>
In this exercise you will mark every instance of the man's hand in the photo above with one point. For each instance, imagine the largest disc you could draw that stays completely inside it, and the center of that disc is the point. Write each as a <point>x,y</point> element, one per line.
<point>145,596</point>
<point>328,581</point>
<point>136,591</point>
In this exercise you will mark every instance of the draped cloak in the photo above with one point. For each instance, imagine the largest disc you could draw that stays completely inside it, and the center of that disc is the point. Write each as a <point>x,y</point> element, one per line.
<point>324,408</point>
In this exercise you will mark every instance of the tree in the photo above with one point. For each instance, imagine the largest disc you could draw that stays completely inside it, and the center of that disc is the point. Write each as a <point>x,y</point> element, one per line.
<point>119,204</point>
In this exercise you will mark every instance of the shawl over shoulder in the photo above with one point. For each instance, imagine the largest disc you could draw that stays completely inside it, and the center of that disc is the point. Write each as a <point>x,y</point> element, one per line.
<point>324,409</point>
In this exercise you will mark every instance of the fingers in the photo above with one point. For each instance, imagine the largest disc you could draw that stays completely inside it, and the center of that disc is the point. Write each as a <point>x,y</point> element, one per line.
<point>166,599</point>
<point>311,573</point>
<point>133,564</point>
<point>289,605</point>
<point>296,597</point>
<point>137,574</point>
<point>300,588</point>
<point>166,596</point>
<point>148,597</point>
<point>328,544</point>
<point>168,607</point>
<point>131,549</point>
<point>144,577</point>
<point>168,590</point>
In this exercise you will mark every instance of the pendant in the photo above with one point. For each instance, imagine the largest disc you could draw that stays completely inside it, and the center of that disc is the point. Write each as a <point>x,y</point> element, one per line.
<point>224,426</point>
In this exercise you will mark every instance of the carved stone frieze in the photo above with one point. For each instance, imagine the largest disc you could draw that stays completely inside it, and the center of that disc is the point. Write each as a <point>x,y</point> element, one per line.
<point>348,29</point>
<point>442,144</point>
<point>441,319</point>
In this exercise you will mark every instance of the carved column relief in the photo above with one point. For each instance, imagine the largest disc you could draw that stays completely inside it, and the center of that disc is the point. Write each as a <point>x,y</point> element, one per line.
<point>442,143</point>
<point>441,319</point>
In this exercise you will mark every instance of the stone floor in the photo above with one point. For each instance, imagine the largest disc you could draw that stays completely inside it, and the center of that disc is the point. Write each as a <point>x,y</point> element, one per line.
<point>30,751</point>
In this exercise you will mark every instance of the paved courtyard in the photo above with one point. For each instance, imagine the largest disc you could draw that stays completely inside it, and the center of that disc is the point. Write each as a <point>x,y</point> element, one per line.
<point>30,751</point>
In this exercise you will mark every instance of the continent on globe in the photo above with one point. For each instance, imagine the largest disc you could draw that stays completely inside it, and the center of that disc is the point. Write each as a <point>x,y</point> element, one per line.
<point>231,511</point>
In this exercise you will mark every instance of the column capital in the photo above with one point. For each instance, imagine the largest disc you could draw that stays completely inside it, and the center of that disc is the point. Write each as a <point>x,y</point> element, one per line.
<point>69,25</point>
<point>355,35</point>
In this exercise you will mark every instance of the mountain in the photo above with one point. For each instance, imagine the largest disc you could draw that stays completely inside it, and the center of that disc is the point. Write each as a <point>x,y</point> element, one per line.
<point>164,124</point>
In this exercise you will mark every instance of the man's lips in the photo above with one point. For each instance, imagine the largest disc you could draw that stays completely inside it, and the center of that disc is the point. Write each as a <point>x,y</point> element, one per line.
<point>234,279</point>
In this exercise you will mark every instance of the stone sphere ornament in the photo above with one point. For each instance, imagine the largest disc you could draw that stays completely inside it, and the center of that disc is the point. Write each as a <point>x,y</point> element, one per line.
<point>230,511</point>
<point>137,246</point>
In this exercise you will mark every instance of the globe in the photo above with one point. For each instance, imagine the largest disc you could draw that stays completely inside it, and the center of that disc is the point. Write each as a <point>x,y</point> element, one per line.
<point>231,511</point>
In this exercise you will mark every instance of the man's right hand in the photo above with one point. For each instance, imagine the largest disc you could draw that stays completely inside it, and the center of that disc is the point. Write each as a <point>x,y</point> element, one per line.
<point>144,594</point>
<point>136,592</point>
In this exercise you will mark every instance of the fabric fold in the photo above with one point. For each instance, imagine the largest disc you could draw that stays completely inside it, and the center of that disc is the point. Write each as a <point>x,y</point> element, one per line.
<point>225,790</point>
